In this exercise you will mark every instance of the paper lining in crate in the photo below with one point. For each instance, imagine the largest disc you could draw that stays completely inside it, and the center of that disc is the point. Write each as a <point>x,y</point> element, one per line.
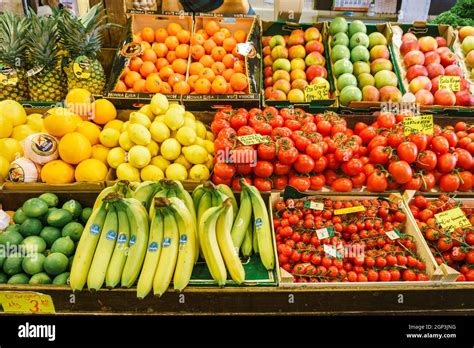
<point>432,269</point>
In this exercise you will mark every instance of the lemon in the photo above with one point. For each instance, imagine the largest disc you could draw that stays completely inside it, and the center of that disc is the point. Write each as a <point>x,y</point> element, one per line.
<point>160,118</point>
<point>154,148</point>
<point>6,127</point>
<point>146,109</point>
<point>160,162</point>
<point>125,126</point>
<point>186,136</point>
<point>159,131</point>
<point>190,123</point>
<point>189,115</point>
<point>91,170</point>
<point>170,149</point>
<point>116,124</point>
<point>109,137</point>
<point>139,134</point>
<point>151,173</point>
<point>209,146</point>
<point>126,171</point>
<point>116,157</point>
<point>182,160</point>
<point>139,118</point>
<point>139,156</point>
<point>14,111</point>
<point>201,130</point>
<point>159,104</point>
<point>100,152</point>
<point>210,162</point>
<point>174,118</point>
<point>35,121</point>
<point>199,172</point>
<point>125,142</point>
<point>195,154</point>
<point>10,149</point>
<point>199,141</point>
<point>176,171</point>
<point>209,136</point>
<point>4,165</point>
<point>21,132</point>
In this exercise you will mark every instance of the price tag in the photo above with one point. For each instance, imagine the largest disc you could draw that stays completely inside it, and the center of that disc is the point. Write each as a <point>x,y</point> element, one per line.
<point>245,49</point>
<point>8,76</point>
<point>132,49</point>
<point>82,67</point>
<point>314,205</point>
<point>324,233</point>
<point>453,83</point>
<point>392,235</point>
<point>252,139</point>
<point>349,210</point>
<point>26,302</point>
<point>34,71</point>
<point>418,124</point>
<point>319,91</point>
<point>452,219</point>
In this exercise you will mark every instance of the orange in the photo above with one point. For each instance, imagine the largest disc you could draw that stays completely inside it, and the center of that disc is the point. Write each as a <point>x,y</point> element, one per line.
<point>218,68</point>
<point>153,83</point>
<point>219,85</point>
<point>90,130</point>
<point>203,33</point>
<point>209,45</point>
<point>229,60</point>
<point>240,36</point>
<point>183,36</point>
<point>137,37</point>
<point>239,66</point>
<point>59,122</point>
<point>206,60</point>
<point>236,54</point>
<point>166,72</point>
<point>227,74</point>
<point>174,28</point>
<point>136,63</point>
<point>161,62</point>
<point>120,87</point>
<point>182,51</point>
<point>174,78</point>
<point>103,111</point>
<point>197,52</point>
<point>211,27</point>
<point>197,39</point>
<point>57,172</point>
<point>195,68</point>
<point>74,148</point>
<point>160,49</point>
<point>149,56</point>
<point>145,45</point>
<point>226,32</point>
<point>131,78</point>
<point>229,44</point>
<point>181,87</point>
<point>130,90</point>
<point>202,86</point>
<point>179,66</point>
<point>218,53</point>
<point>171,56</point>
<point>229,89</point>
<point>219,37</point>
<point>160,35</point>
<point>192,80</point>
<point>207,73</point>
<point>238,82</point>
<point>148,34</point>
<point>10,213</point>
<point>166,88</point>
<point>139,86</point>
<point>147,69</point>
<point>91,170</point>
<point>171,42</point>
<point>125,72</point>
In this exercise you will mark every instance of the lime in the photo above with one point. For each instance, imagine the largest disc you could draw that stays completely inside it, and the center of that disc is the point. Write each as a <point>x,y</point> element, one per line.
<point>86,214</point>
<point>21,278</point>
<point>31,227</point>
<point>50,234</point>
<point>14,227</point>
<point>50,198</point>
<point>10,238</point>
<point>35,207</point>
<point>33,263</point>
<point>55,263</point>
<point>62,279</point>
<point>59,218</point>
<point>40,278</point>
<point>12,265</point>
<point>73,230</point>
<point>74,207</point>
<point>33,244</point>
<point>3,278</point>
<point>63,245</point>
<point>44,218</point>
<point>19,216</point>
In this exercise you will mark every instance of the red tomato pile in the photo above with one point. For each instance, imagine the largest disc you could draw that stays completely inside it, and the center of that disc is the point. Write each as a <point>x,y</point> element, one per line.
<point>367,253</point>
<point>310,151</point>
<point>454,248</point>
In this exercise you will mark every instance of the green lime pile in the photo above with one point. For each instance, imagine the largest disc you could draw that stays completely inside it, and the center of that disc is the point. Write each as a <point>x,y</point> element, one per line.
<point>39,247</point>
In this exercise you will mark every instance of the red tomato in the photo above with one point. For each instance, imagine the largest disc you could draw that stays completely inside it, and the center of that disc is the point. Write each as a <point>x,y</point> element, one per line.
<point>466,181</point>
<point>407,151</point>
<point>330,176</point>
<point>227,133</point>
<point>287,155</point>
<point>414,184</point>
<point>429,182</point>
<point>300,183</point>
<point>262,184</point>
<point>224,170</point>
<point>315,151</point>
<point>243,155</point>
<point>440,144</point>
<point>302,143</point>
<point>266,151</point>
<point>320,164</point>
<point>464,159</point>
<point>377,182</point>
<point>427,160</point>
<point>449,183</point>
<point>263,169</point>
<point>218,125</point>
<point>409,275</point>
<point>238,120</point>
<point>317,182</point>
<point>358,180</point>
<point>304,164</point>
<point>275,121</point>
<point>343,154</point>
<point>280,182</point>
<point>359,126</point>
<point>352,167</point>
<point>281,132</point>
<point>324,127</point>
<point>237,186</point>
<point>342,185</point>
<point>446,162</point>
<point>309,127</point>
<point>293,124</point>
<point>281,169</point>
<point>451,137</point>
<point>395,139</point>
<point>263,128</point>
<point>400,171</point>
<point>378,140</point>
<point>245,130</point>
<point>367,134</point>
<point>420,140</point>
<point>244,169</point>
<point>380,155</point>
<point>218,180</point>
<point>386,120</point>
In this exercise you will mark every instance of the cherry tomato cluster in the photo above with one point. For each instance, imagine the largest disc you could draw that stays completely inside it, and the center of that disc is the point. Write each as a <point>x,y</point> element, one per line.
<point>366,252</point>
<point>311,151</point>
<point>454,248</point>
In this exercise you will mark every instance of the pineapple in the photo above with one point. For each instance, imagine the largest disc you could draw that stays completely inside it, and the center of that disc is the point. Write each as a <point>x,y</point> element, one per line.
<point>82,37</point>
<point>12,57</point>
<point>49,83</point>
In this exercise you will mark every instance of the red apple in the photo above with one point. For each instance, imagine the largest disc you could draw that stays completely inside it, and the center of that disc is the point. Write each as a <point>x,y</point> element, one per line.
<point>277,95</point>
<point>297,74</point>
<point>268,81</point>
<point>268,92</point>
<point>408,36</point>
<point>416,70</point>
<point>435,84</point>
<point>409,45</point>
<point>424,97</point>
<point>266,40</point>
<point>453,70</point>
<point>315,58</point>
<point>427,43</point>
<point>390,93</point>
<point>414,57</point>
<point>268,71</point>
<point>267,61</point>
<point>418,83</point>
<point>441,41</point>
<point>312,34</point>
<point>282,85</point>
<point>444,97</point>
<point>267,50</point>
<point>296,39</point>
<point>441,50</point>
<point>297,51</point>
<point>314,45</point>
<point>470,59</point>
<point>315,71</point>
<point>448,58</point>
<point>281,75</point>
<point>299,84</point>
<point>370,94</point>
<point>296,96</point>
<point>464,85</point>
<point>432,57</point>
<point>434,69</point>
<point>463,98</point>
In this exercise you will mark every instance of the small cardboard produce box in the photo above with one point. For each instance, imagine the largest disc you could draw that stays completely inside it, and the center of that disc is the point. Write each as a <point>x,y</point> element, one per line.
<point>250,50</point>
<point>285,28</point>
<point>128,49</point>
<point>285,279</point>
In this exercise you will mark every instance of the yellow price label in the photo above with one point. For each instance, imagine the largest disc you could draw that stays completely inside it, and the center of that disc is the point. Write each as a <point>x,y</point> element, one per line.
<point>349,210</point>
<point>319,91</point>
<point>26,302</point>
<point>418,124</point>
<point>252,139</point>
<point>453,83</point>
<point>82,68</point>
<point>452,219</point>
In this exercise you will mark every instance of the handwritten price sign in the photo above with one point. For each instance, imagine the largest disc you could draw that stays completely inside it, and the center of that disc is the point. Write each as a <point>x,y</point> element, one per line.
<point>418,124</point>
<point>26,302</point>
<point>453,83</point>
<point>252,139</point>
<point>319,91</point>
<point>452,219</point>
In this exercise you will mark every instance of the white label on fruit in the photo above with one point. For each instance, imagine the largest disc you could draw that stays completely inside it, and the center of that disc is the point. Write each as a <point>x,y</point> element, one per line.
<point>4,220</point>
<point>314,205</point>
<point>34,71</point>
<point>323,233</point>
<point>244,48</point>
<point>392,235</point>
<point>329,250</point>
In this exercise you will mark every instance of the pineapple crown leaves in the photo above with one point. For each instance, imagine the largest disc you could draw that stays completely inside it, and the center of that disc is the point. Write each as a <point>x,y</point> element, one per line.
<point>13,42</point>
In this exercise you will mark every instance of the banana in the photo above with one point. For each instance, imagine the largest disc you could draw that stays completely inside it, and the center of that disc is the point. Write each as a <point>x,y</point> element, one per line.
<point>169,254</point>
<point>228,192</point>
<point>254,237</point>
<point>204,204</point>
<point>229,252</point>
<point>171,193</point>
<point>119,257</point>
<point>162,193</point>
<point>104,250</point>
<point>197,195</point>
<point>217,198</point>
<point>187,243</point>
<point>241,222</point>
<point>145,192</point>
<point>86,248</point>
<point>246,246</point>
<point>145,282</point>
<point>184,195</point>
<point>262,228</point>
<point>209,245</point>
<point>120,187</point>
<point>138,218</point>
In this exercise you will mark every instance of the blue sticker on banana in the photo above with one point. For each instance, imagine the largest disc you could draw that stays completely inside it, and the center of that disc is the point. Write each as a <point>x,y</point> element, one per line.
<point>95,229</point>
<point>258,222</point>
<point>153,246</point>
<point>122,238</point>
<point>133,240</point>
<point>166,242</point>
<point>183,239</point>
<point>111,235</point>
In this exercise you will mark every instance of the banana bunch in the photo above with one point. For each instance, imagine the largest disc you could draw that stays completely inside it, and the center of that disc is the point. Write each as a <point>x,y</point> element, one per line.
<point>121,187</point>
